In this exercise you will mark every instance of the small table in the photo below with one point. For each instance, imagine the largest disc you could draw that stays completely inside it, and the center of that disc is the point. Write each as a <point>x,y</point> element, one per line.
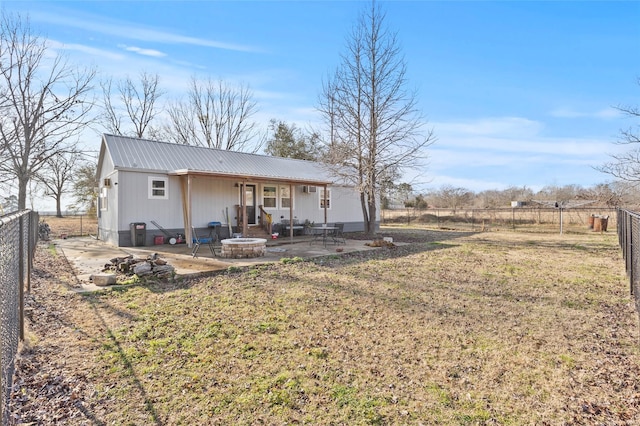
<point>286,229</point>
<point>214,230</point>
<point>318,231</point>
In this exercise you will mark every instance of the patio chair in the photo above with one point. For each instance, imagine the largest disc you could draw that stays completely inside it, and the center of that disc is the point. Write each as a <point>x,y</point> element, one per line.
<point>338,236</point>
<point>198,241</point>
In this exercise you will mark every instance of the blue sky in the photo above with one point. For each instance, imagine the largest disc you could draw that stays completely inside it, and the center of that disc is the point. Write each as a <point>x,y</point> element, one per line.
<point>518,93</point>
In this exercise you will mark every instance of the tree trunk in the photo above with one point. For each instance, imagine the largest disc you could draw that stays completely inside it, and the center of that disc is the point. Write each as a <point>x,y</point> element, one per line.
<point>22,193</point>
<point>365,214</point>
<point>372,216</point>
<point>58,208</point>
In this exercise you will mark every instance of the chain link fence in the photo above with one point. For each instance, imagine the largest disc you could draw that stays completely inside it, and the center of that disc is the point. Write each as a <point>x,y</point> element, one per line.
<point>18,238</point>
<point>533,219</point>
<point>629,238</point>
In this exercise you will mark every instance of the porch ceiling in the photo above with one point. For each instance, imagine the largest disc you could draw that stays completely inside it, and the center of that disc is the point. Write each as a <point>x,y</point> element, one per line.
<point>252,178</point>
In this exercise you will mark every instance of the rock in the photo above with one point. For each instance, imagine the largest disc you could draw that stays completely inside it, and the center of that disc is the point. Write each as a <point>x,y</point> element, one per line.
<point>117,260</point>
<point>162,270</point>
<point>103,279</point>
<point>141,269</point>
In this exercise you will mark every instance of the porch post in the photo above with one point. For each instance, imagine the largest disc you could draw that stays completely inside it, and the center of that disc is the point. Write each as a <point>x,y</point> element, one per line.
<point>185,182</point>
<point>325,203</point>
<point>291,211</point>
<point>245,221</point>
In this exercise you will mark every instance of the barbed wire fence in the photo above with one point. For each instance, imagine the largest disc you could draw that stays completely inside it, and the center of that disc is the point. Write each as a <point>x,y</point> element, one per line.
<point>629,238</point>
<point>18,239</point>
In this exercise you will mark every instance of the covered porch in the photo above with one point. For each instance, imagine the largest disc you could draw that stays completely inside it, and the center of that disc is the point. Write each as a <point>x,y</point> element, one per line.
<point>246,187</point>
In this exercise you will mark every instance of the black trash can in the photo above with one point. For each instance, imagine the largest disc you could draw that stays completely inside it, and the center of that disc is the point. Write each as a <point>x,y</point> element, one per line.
<point>138,233</point>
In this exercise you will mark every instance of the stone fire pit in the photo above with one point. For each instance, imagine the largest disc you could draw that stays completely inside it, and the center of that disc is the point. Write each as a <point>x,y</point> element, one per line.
<point>240,248</point>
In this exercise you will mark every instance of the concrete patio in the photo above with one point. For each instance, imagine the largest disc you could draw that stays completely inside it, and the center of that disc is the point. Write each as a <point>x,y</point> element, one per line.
<point>89,256</point>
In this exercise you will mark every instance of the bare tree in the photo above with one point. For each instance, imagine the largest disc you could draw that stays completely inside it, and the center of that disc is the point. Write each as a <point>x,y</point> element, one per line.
<point>494,198</point>
<point>216,115</point>
<point>626,166</point>
<point>85,187</point>
<point>604,194</point>
<point>135,109</point>
<point>181,126</point>
<point>375,128</point>
<point>452,197</point>
<point>43,103</point>
<point>57,175</point>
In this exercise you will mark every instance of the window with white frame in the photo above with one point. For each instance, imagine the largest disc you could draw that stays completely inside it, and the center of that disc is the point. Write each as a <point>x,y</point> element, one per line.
<point>103,199</point>
<point>324,198</point>
<point>269,197</point>
<point>158,188</point>
<point>285,197</point>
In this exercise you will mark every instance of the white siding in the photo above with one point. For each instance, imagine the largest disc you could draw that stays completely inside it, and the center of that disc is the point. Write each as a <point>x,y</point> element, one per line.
<point>135,205</point>
<point>210,199</point>
<point>108,217</point>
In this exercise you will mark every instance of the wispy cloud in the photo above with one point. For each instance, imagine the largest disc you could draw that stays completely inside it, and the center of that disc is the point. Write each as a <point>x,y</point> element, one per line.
<point>141,51</point>
<point>478,154</point>
<point>84,49</point>
<point>604,113</point>
<point>496,126</point>
<point>98,24</point>
<point>513,135</point>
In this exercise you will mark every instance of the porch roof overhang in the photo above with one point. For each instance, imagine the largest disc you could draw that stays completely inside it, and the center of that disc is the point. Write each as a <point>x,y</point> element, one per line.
<point>186,176</point>
<point>252,178</point>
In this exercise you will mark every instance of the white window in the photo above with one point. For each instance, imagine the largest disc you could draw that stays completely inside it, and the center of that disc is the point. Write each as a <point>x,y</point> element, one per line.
<point>269,197</point>
<point>103,199</point>
<point>158,188</point>
<point>323,198</point>
<point>285,197</point>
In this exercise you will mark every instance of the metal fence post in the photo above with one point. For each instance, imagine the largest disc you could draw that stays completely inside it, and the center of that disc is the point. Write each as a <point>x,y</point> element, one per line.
<point>21,278</point>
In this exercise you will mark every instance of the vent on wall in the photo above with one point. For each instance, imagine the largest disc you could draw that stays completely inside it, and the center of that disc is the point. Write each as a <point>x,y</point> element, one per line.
<point>308,189</point>
<point>107,182</point>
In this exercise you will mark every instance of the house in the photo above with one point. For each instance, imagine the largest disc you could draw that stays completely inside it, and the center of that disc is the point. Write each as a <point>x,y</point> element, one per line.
<point>149,188</point>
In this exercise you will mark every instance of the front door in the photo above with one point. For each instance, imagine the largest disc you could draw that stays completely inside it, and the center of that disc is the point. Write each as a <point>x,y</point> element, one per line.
<point>250,196</point>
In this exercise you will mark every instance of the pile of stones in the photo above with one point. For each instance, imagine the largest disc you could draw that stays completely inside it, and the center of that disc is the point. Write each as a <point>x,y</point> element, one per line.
<point>127,266</point>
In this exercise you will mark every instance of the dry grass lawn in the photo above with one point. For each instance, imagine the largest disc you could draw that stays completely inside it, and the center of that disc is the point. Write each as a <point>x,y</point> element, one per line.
<point>489,328</point>
<point>71,225</point>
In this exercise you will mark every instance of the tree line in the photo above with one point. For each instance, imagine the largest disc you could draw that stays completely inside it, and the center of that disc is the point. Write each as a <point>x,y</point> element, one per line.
<point>614,194</point>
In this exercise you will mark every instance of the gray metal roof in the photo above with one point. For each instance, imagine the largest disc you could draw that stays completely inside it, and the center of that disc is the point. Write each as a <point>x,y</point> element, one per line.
<point>147,155</point>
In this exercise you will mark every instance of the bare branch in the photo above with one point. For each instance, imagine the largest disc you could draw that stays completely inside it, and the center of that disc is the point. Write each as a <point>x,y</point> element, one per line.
<point>626,166</point>
<point>137,105</point>
<point>57,174</point>
<point>44,103</point>
<point>375,129</point>
<point>215,115</point>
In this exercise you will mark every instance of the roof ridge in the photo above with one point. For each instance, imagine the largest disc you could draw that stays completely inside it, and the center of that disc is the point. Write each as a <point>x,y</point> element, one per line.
<point>187,146</point>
